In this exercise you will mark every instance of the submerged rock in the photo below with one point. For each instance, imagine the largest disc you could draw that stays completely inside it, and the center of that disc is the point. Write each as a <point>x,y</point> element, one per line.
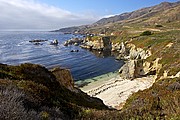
<point>74,50</point>
<point>37,43</point>
<point>38,40</point>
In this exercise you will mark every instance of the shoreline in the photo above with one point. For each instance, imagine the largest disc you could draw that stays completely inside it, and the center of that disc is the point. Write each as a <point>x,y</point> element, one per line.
<point>98,80</point>
<point>113,90</point>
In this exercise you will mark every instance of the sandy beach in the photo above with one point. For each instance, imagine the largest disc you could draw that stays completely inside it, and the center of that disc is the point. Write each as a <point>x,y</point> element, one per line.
<point>114,90</point>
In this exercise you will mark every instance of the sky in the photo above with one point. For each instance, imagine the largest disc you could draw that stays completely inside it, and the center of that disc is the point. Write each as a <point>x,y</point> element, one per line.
<point>45,15</point>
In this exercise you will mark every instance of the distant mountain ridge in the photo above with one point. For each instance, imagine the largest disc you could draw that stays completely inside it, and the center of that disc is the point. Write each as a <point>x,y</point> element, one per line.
<point>147,12</point>
<point>131,15</point>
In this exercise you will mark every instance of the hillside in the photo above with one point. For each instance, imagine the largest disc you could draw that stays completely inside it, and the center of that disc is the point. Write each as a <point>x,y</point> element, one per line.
<point>146,12</point>
<point>165,13</point>
<point>32,92</point>
<point>149,42</point>
<point>154,31</point>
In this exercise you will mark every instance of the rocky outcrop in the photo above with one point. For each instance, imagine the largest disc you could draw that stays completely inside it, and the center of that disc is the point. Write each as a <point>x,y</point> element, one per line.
<point>74,41</point>
<point>119,47</point>
<point>64,77</point>
<point>165,75</point>
<point>101,44</point>
<point>128,70</point>
<point>116,47</point>
<point>137,53</point>
<point>137,65</point>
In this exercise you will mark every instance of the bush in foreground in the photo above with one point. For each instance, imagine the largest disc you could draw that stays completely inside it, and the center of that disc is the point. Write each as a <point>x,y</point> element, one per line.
<point>11,107</point>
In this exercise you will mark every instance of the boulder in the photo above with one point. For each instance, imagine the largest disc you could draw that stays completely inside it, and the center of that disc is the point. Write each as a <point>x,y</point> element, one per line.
<point>66,43</point>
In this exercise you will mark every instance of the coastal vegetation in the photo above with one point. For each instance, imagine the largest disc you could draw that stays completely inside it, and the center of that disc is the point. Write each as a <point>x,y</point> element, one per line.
<point>37,90</point>
<point>147,39</point>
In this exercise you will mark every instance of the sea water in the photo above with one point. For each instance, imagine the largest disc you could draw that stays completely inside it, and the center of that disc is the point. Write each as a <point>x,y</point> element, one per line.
<point>15,49</point>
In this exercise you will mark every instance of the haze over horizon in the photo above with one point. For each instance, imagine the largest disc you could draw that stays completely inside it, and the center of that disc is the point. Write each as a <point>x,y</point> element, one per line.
<point>26,15</point>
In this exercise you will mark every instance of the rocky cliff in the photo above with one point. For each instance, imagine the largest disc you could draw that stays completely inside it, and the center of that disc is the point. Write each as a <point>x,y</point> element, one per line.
<point>136,64</point>
<point>155,55</point>
<point>97,43</point>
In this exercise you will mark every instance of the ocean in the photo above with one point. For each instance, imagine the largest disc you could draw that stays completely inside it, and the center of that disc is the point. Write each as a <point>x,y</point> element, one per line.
<point>15,49</point>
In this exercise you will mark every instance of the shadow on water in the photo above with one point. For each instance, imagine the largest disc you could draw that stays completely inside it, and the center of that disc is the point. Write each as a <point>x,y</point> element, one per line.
<point>104,54</point>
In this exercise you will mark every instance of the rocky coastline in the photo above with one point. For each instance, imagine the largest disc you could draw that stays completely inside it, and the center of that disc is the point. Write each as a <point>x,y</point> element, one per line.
<point>135,58</point>
<point>136,74</point>
<point>51,93</point>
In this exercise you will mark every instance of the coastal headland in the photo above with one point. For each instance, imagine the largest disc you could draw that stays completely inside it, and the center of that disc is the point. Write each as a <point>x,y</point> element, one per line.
<point>147,86</point>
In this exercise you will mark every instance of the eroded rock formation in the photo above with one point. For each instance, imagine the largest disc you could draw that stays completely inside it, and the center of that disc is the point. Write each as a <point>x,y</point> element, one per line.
<point>137,65</point>
<point>100,44</point>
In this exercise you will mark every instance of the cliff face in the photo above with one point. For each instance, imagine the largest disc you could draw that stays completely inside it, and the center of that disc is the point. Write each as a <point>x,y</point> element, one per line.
<point>64,77</point>
<point>97,43</point>
<point>136,64</point>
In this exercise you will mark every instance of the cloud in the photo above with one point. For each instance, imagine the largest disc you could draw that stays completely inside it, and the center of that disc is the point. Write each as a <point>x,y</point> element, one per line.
<point>28,14</point>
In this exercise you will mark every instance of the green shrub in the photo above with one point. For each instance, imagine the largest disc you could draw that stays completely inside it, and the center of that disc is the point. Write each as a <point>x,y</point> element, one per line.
<point>145,33</point>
